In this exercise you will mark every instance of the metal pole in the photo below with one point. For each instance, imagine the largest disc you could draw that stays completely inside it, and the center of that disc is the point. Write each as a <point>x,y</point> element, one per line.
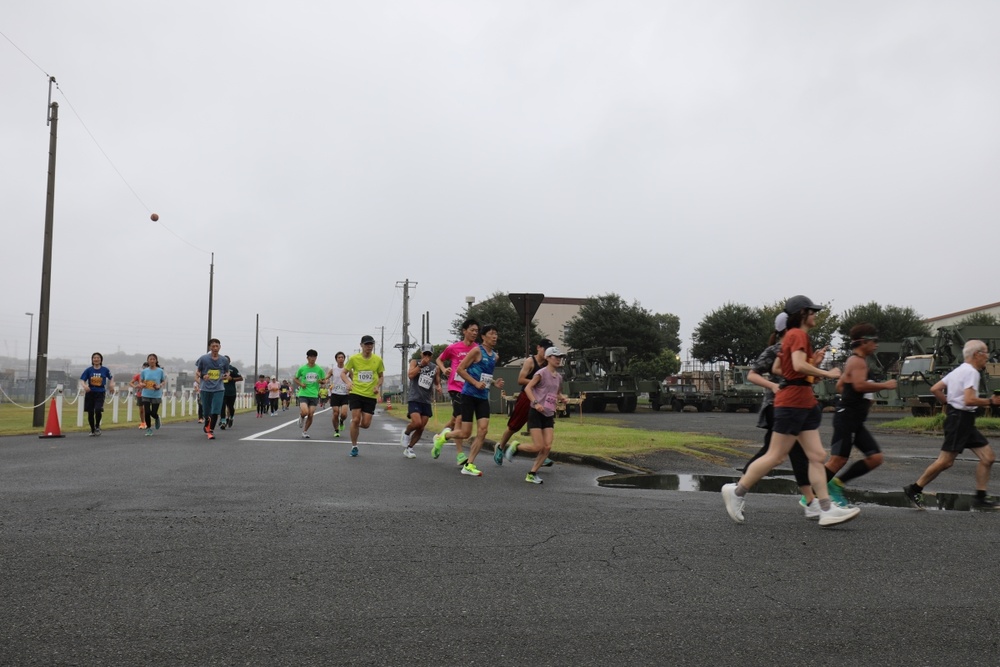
<point>31,330</point>
<point>277,375</point>
<point>211,289</point>
<point>256,348</point>
<point>42,361</point>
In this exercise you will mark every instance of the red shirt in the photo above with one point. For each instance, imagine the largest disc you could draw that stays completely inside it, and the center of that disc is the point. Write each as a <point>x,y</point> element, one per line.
<point>794,396</point>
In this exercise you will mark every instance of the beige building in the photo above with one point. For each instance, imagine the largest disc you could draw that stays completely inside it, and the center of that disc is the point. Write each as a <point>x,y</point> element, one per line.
<point>553,315</point>
<point>955,318</point>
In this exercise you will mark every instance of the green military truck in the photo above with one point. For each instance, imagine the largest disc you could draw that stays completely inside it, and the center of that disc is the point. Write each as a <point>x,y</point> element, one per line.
<point>598,375</point>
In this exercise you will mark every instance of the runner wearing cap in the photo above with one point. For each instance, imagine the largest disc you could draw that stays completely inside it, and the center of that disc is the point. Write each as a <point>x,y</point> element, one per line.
<point>424,376</point>
<point>273,394</point>
<point>849,419</point>
<point>477,371</point>
<point>363,374</point>
<point>522,406</point>
<point>797,415</point>
<point>308,380</point>
<point>338,394</point>
<point>455,353</point>
<point>543,391</point>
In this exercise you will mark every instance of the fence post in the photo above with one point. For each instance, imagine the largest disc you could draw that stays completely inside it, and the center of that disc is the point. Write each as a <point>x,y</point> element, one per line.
<point>114,408</point>
<point>79,406</point>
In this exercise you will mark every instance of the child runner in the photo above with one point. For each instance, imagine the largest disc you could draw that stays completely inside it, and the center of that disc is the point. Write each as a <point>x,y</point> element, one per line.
<point>543,392</point>
<point>285,393</point>
<point>95,382</point>
<point>152,379</point>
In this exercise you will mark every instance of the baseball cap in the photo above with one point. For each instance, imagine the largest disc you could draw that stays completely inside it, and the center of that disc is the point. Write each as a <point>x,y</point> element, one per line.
<point>781,322</point>
<point>365,340</point>
<point>799,303</point>
<point>554,352</point>
<point>427,349</point>
<point>546,343</point>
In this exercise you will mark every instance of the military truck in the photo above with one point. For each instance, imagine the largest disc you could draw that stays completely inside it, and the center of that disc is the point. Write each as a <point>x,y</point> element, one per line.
<point>918,372</point>
<point>683,394</point>
<point>599,374</point>
<point>736,392</point>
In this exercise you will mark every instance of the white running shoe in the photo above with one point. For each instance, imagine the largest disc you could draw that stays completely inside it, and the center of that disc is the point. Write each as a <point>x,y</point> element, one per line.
<point>306,435</point>
<point>812,510</point>
<point>409,453</point>
<point>404,438</point>
<point>734,504</point>
<point>836,515</point>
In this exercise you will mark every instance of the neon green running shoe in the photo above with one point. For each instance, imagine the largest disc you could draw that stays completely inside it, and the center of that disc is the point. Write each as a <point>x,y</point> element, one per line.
<point>533,478</point>
<point>472,470</point>
<point>836,489</point>
<point>439,440</point>
<point>461,459</point>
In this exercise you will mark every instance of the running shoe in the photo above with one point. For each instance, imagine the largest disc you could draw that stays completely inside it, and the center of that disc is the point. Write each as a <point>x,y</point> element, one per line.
<point>354,450</point>
<point>983,504</point>
<point>211,436</point>
<point>811,510</point>
<point>142,426</point>
<point>439,440</point>
<point>336,434</point>
<point>207,428</point>
<point>93,434</point>
<point>302,421</point>
<point>149,432</point>
<point>837,515</point>
<point>547,463</point>
<point>461,459</point>
<point>98,431</point>
<point>510,451</point>
<point>734,504</point>
<point>915,497</point>
<point>497,454</point>
<point>201,420</point>
<point>409,453</point>
<point>470,469</point>
<point>222,424</point>
<point>156,423</point>
<point>533,478</point>
<point>836,489</point>
<point>306,436</point>
<point>404,439</point>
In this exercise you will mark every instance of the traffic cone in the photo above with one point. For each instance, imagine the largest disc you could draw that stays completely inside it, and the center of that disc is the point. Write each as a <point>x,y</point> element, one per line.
<point>52,424</point>
<point>388,404</point>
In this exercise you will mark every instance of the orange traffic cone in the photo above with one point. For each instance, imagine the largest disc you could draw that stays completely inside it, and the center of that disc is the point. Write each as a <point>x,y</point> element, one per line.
<point>388,404</point>
<point>52,424</point>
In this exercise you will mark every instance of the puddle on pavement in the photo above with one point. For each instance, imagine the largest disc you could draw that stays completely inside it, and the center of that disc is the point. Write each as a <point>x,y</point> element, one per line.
<point>777,485</point>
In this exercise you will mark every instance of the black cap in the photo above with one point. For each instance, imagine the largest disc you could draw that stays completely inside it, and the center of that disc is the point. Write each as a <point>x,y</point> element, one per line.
<point>367,339</point>
<point>799,303</point>
<point>546,343</point>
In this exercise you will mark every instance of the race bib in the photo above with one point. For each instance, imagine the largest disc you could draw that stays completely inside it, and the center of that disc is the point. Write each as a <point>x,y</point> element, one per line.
<point>213,374</point>
<point>312,377</point>
<point>549,404</point>
<point>425,381</point>
<point>96,381</point>
<point>149,384</point>
<point>486,379</point>
<point>366,376</point>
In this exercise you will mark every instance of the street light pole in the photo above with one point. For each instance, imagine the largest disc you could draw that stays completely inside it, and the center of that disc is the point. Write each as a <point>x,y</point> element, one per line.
<point>31,330</point>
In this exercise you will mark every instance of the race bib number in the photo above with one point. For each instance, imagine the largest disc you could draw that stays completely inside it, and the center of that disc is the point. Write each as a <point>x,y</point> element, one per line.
<point>366,376</point>
<point>312,377</point>
<point>96,381</point>
<point>213,374</point>
<point>486,379</point>
<point>549,404</point>
<point>425,381</point>
<point>149,384</point>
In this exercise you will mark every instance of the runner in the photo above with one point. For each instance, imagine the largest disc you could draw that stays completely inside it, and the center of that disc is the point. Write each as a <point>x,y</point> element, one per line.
<point>210,371</point>
<point>285,393</point>
<point>229,396</point>
<point>455,353</point>
<point>273,392</point>
<point>260,395</point>
<point>522,406</point>
<point>543,392</point>
<point>424,376</point>
<point>152,379</point>
<point>338,394</point>
<point>959,392</point>
<point>797,416</point>
<point>363,374</point>
<point>308,380</point>
<point>477,371</point>
<point>762,374</point>
<point>136,385</point>
<point>95,382</point>
<point>849,419</point>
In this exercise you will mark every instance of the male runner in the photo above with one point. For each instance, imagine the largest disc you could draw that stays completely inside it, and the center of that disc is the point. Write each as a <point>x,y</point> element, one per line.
<point>210,370</point>
<point>455,353</point>
<point>338,394</point>
<point>229,396</point>
<point>363,373</point>
<point>308,380</point>
<point>424,375</point>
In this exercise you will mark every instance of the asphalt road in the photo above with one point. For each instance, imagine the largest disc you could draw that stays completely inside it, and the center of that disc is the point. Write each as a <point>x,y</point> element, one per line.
<point>261,548</point>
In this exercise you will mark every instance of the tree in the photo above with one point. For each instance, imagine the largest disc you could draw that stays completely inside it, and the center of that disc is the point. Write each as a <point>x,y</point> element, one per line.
<point>656,368</point>
<point>979,320</point>
<point>894,323</point>
<point>821,335</point>
<point>499,311</point>
<point>735,333</point>
<point>670,327</point>
<point>609,321</point>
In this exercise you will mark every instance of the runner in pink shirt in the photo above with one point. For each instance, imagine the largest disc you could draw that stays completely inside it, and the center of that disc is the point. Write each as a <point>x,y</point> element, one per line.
<point>455,353</point>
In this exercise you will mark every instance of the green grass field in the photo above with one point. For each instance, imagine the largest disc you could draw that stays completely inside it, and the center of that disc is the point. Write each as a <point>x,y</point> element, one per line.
<point>935,424</point>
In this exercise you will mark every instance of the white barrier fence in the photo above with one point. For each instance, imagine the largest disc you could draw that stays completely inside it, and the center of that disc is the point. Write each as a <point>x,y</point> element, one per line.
<point>186,400</point>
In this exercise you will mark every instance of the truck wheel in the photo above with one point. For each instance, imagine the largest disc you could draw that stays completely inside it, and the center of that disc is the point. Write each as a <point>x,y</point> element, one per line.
<point>706,406</point>
<point>627,404</point>
<point>655,404</point>
<point>599,405</point>
<point>677,406</point>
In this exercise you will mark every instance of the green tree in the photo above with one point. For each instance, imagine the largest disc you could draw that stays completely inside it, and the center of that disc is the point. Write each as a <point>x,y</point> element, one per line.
<point>499,311</point>
<point>734,333</point>
<point>821,335</point>
<point>979,320</point>
<point>670,327</point>
<point>609,321</point>
<point>894,323</point>
<point>656,368</point>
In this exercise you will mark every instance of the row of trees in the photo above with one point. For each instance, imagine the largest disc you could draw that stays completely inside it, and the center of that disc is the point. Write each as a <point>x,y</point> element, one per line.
<point>735,333</point>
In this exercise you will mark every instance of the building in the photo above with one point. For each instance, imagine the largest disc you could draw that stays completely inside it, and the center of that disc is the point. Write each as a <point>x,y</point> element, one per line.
<point>554,314</point>
<point>954,318</point>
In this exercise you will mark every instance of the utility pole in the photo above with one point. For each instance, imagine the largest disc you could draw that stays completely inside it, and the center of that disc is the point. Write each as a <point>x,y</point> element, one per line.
<point>211,286</point>
<point>381,345</point>
<point>276,367</point>
<point>256,348</point>
<point>42,360</point>
<point>405,345</point>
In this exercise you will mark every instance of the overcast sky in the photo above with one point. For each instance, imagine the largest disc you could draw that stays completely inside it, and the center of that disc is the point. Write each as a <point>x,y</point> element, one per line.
<point>681,154</point>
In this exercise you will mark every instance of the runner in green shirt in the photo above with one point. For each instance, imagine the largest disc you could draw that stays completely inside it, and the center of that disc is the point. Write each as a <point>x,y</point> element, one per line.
<point>308,380</point>
<point>363,375</point>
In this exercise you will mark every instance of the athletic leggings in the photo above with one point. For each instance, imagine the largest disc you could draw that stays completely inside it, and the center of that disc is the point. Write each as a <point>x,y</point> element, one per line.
<point>229,406</point>
<point>152,412</point>
<point>261,403</point>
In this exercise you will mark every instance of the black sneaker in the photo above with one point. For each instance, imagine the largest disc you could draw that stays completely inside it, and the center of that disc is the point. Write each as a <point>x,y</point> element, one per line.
<point>984,504</point>
<point>915,497</point>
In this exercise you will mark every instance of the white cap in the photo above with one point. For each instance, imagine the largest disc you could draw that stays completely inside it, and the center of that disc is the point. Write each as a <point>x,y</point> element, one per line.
<point>554,352</point>
<point>781,322</point>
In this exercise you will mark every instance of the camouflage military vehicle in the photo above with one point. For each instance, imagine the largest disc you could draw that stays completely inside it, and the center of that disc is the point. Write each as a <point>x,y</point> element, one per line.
<point>737,393</point>
<point>599,373</point>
